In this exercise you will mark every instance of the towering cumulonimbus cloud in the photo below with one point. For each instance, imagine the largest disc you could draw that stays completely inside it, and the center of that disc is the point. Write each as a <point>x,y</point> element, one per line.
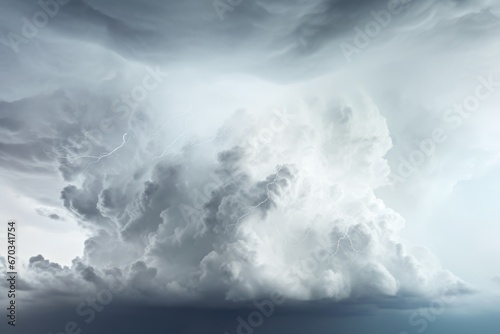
<point>239,174</point>
<point>279,199</point>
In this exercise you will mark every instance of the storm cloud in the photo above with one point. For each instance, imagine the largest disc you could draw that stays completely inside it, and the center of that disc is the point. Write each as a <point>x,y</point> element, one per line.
<point>215,154</point>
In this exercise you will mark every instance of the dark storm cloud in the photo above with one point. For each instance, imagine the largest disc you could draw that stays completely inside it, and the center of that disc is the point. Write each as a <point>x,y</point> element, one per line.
<point>169,226</point>
<point>81,202</point>
<point>228,202</point>
<point>154,31</point>
<point>39,263</point>
<point>143,213</point>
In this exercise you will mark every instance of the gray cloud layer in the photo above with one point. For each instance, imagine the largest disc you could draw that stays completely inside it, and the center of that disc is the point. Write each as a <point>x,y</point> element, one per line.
<point>222,185</point>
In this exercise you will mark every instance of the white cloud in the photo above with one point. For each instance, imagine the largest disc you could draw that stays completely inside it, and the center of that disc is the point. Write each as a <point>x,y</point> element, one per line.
<point>181,225</point>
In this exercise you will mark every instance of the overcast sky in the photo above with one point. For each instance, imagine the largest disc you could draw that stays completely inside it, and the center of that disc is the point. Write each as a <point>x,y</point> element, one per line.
<point>335,160</point>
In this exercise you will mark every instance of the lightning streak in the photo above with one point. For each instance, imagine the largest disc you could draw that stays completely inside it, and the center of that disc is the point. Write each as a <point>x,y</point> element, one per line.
<point>259,204</point>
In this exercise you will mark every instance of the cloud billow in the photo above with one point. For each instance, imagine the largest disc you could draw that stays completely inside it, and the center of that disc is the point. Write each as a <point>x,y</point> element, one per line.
<point>252,168</point>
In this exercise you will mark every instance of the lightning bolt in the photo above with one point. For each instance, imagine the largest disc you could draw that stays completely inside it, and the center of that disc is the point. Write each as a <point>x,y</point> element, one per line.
<point>102,156</point>
<point>308,232</point>
<point>97,158</point>
<point>170,145</point>
<point>249,211</point>
<point>347,236</point>
<point>182,134</point>
<point>105,155</point>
